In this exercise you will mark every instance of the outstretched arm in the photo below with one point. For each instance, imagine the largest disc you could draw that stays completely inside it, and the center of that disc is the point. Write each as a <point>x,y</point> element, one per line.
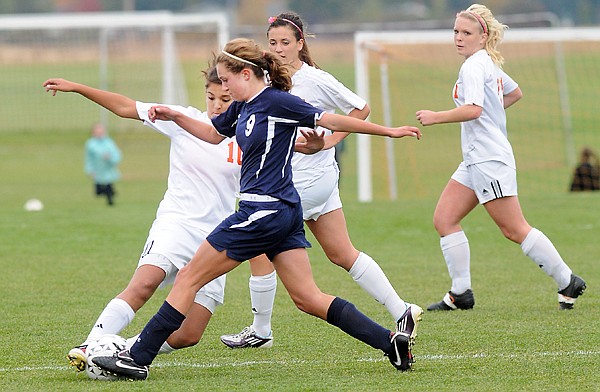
<point>336,137</point>
<point>200,129</point>
<point>119,104</point>
<point>337,122</point>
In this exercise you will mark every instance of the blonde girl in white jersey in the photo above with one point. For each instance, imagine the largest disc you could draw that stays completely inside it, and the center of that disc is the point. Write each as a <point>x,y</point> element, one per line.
<point>316,180</point>
<point>202,183</point>
<point>487,174</point>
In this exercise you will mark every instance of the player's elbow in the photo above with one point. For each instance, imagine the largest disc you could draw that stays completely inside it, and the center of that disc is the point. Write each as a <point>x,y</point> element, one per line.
<point>361,114</point>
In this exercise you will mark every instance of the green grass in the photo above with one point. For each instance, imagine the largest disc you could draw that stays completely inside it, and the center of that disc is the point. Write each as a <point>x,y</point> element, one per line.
<point>62,265</point>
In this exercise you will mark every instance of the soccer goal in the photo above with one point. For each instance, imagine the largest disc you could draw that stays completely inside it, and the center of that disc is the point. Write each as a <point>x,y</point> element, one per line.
<point>558,70</point>
<point>151,56</point>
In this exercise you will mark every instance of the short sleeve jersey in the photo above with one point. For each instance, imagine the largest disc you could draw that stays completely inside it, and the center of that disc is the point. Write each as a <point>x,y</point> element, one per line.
<point>203,177</point>
<point>321,90</point>
<point>265,128</point>
<point>482,83</point>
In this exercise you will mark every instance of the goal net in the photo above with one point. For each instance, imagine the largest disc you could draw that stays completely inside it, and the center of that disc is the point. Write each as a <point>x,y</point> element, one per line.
<point>151,56</point>
<point>558,70</point>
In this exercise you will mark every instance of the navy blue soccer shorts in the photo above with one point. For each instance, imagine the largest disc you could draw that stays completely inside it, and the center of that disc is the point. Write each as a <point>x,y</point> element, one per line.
<point>260,227</point>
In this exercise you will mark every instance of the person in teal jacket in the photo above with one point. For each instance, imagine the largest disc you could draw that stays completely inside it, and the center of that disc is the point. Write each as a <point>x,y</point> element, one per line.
<point>102,158</point>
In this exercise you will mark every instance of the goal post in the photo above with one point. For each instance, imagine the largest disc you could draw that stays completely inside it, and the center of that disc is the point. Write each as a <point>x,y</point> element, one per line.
<point>107,50</point>
<point>557,68</point>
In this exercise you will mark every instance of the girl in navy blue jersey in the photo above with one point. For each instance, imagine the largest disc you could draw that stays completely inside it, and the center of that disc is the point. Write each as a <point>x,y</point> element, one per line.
<point>264,120</point>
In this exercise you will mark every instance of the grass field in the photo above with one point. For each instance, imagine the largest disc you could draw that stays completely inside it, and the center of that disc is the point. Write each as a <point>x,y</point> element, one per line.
<point>63,264</point>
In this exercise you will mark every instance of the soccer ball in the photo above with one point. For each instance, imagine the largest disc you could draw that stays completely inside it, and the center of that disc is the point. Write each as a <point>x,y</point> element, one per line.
<point>33,205</point>
<point>105,346</point>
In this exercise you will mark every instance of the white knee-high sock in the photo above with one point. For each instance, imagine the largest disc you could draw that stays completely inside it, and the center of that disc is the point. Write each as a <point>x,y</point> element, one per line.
<point>369,275</point>
<point>541,250</point>
<point>164,349</point>
<point>456,251</point>
<point>262,296</point>
<point>115,316</point>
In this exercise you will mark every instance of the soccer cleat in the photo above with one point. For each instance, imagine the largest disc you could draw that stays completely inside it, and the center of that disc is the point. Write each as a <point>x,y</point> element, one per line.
<point>453,301</point>
<point>409,321</point>
<point>568,295</point>
<point>122,365</point>
<point>407,324</point>
<point>400,356</point>
<point>247,338</point>
<point>77,357</point>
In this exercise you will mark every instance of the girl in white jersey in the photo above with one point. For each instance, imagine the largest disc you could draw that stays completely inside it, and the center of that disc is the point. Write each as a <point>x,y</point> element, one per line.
<point>487,174</point>
<point>316,180</point>
<point>203,179</point>
<point>264,120</point>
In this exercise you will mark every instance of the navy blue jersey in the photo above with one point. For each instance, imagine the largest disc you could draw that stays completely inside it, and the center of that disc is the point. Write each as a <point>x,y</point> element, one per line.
<point>265,129</point>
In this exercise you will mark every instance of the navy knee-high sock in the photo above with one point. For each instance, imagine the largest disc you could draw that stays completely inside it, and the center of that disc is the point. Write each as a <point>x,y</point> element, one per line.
<point>155,333</point>
<point>346,317</point>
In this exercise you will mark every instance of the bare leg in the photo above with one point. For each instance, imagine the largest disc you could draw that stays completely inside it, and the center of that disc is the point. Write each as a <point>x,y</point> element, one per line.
<point>120,311</point>
<point>507,214</point>
<point>206,265</point>
<point>456,201</point>
<point>331,232</point>
<point>293,268</point>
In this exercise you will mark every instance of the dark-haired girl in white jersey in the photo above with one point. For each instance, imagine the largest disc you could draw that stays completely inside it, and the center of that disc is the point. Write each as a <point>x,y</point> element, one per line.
<point>203,179</point>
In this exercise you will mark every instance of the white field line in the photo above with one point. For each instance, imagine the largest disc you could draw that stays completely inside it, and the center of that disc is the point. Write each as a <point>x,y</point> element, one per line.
<point>419,358</point>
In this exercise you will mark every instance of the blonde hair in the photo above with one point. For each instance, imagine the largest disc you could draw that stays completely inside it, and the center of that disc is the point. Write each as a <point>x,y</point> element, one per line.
<point>495,29</point>
<point>243,53</point>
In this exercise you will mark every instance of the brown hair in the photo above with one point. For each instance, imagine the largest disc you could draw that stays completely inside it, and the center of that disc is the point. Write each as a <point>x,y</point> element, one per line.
<point>293,21</point>
<point>256,59</point>
<point>210,74</point>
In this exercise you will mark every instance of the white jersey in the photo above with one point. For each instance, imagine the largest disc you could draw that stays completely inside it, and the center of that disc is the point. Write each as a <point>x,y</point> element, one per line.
<point>483,83</point>
<point>203,177</point>
<point>325,92</point>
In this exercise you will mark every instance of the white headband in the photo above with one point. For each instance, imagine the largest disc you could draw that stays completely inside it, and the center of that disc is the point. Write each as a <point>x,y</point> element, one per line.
<point>265,72</point>
<point>239,58</point>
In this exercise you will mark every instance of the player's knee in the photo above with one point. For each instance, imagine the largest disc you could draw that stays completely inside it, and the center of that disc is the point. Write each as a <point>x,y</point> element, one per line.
<point>512,235</point>
<point>341,260</point>
<point>138,294</point>
<point>445,225</point>
<point>315,304</point>
<point>303,304</point>
<point>439,225</point>
<point>185,277</point>
<point>343,256</point>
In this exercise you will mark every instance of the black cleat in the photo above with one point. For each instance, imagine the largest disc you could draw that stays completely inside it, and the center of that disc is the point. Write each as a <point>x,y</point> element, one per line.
<point>453,301</point>
<point>122,365</point>
<point>400,356</point>
<point>568,295</point>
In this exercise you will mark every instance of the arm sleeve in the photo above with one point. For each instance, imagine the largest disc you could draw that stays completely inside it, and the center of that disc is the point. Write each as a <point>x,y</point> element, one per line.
<point>334,94</point>
<point>473,78</point>
<point>168,128</point>
<point>508,84</point>
<point>297,109</point>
